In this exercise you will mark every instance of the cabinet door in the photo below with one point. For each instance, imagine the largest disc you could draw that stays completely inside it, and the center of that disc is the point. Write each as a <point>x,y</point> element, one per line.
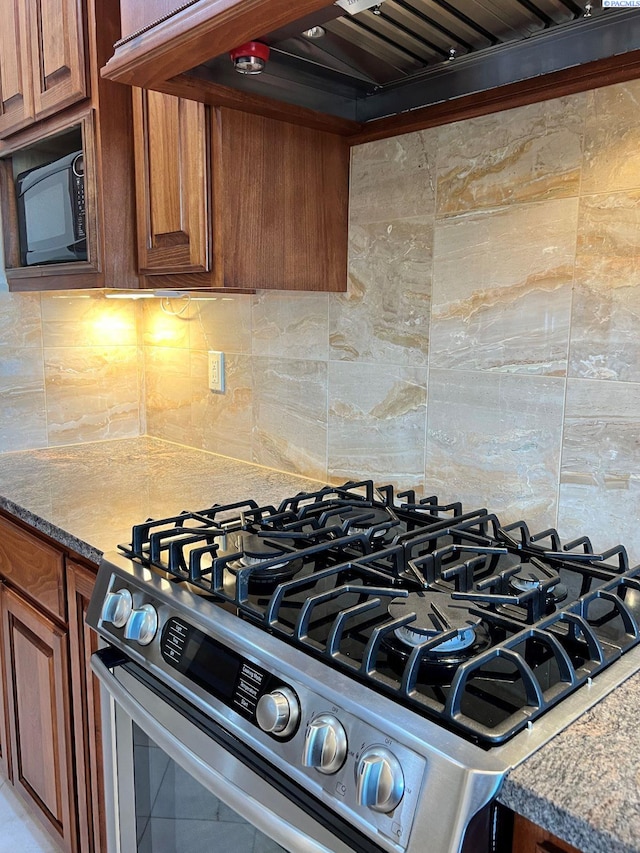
<point>57,54</point>
<point>281,194</point>
<point>16,100</point>
<point>36,664</point>
<point>170,138</point>
<point>86,714</point>
<point>5,766</point>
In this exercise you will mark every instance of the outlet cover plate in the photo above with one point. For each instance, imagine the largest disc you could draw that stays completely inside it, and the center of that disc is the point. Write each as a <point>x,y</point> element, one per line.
<point>216,371</point>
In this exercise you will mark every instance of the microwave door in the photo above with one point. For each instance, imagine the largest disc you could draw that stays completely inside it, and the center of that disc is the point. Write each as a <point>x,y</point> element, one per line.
<point>50,222</point>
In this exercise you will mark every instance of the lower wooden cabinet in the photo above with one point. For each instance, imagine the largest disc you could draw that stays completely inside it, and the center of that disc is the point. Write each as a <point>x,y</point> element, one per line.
<point>35,652</point>
<point>529,838</point>
<point>50,744</point>
<point>4,745</point>
<point>86,713</point>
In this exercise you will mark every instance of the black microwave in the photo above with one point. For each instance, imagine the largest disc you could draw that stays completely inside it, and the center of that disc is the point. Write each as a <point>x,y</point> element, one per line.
<point>51,212</point>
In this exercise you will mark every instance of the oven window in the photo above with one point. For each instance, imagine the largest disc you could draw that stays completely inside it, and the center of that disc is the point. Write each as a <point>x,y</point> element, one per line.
<point>176,814</point>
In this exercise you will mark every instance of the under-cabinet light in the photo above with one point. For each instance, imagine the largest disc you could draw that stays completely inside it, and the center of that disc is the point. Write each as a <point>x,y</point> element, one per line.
<point>130,294</point>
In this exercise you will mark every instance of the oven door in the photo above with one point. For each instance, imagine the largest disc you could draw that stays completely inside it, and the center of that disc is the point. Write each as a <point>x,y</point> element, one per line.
<point>177,782</point>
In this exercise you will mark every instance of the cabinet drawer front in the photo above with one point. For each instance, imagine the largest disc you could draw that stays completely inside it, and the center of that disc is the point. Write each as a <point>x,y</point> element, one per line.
<point>34,566</point>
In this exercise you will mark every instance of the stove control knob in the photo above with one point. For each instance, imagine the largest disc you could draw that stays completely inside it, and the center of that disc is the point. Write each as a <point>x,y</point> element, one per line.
<point>325,744</point>
<point>379,779</point>
<point>117,608</point>
<point>142,625</point>
<point>278,712</point>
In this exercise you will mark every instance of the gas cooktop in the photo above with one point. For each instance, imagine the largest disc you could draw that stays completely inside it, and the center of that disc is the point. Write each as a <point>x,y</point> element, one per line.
<point>478,626</point>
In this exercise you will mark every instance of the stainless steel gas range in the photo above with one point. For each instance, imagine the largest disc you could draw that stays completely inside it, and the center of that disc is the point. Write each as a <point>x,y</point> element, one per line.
<point>351,670</point>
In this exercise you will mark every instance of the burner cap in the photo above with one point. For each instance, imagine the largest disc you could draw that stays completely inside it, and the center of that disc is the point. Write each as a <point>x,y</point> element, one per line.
<point>256,548</point>
<point>363,518</point>
<point>436,613</point>
<point>528,577</point>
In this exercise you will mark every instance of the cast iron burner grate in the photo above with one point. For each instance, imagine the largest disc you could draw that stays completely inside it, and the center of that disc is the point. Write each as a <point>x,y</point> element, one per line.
<point>480,626</point>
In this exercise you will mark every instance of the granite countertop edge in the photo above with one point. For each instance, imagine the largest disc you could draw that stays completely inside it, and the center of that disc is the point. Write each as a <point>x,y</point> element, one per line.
<point>63,537</point>
<point>569,826</point>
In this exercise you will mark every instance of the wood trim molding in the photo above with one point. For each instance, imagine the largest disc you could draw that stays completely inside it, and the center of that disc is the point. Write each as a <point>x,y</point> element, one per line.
<point>196,88</point>
<point>569,81</point>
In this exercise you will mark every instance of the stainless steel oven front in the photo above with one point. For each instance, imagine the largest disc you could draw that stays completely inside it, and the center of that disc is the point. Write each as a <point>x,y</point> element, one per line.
<point>177,781</point>
<point>196,686</point>
<point>332,699</point>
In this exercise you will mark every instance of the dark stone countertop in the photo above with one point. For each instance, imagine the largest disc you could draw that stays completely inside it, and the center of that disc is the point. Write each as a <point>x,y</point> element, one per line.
<point>583,786</point>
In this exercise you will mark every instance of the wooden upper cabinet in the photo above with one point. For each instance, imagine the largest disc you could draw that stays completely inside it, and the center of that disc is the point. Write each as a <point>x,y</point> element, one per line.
<point>61,35</point>
<point>172,195</point>
<point>281,199</point>
<point>42,60</point>
<point>57,54</point>
<point>228,199</point>
<point>16,94</point>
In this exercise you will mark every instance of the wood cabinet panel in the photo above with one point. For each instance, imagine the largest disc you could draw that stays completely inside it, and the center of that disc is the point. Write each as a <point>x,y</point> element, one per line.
<point>42,60</point>
<point>529,838</point>
<point>57,54</point>
<point>281,198</point>
<point>5,764</point>
<point>171,184</point>
<point>86,714</point>
<point>270,197</point>
<point>35,653</point>
<point>33,566</point>
<point>16,94</point>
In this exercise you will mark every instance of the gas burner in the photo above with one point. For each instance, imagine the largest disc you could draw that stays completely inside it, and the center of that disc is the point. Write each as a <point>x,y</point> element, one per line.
<point>246,561</point>
<point>264,575</point>
<point>353,515</point>
<point>529,576</point>
<point>436,613</point>
<point>366,518</point>
<point>257,555</point>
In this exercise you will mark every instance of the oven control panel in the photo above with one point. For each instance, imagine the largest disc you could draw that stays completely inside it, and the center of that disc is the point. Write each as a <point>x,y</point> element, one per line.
<point>245,687</point>
<point>329,747</point>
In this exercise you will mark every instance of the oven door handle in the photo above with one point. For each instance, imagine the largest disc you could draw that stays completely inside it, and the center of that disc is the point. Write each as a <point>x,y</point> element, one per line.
<point>236,798</point>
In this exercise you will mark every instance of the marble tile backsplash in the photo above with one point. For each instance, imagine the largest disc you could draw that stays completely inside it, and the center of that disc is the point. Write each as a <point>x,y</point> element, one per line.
<point>486,348</point>
<point>70,370</point>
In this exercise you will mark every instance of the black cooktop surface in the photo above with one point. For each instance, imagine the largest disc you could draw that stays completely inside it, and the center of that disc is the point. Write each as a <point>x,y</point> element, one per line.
<point>478,625</point>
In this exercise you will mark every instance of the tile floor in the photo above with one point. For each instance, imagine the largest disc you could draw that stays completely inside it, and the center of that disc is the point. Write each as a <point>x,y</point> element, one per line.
<point>18,830</point>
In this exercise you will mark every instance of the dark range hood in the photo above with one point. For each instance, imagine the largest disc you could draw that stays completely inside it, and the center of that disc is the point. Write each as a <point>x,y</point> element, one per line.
<point>401,55</point>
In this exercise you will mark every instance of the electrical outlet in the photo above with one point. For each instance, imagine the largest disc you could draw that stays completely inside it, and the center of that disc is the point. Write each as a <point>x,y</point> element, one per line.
<point>216,371</point>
